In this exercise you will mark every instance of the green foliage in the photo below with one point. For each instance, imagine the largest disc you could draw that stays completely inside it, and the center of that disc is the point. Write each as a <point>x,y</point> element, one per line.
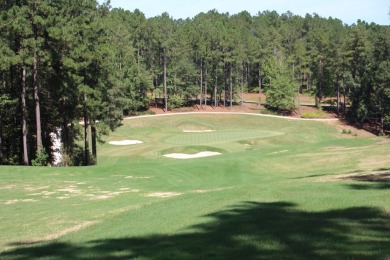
<point>88,60</point>
<point>79,157</point>
<point>41,159</point>
<point>282,87</point>
<point>175,101</point>
<point>346,132</point>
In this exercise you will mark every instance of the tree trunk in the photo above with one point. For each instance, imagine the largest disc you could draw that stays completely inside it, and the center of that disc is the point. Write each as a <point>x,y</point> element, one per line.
<point>344,105</point>
<point>216,87</point>
<point>86,133</point>
<point>201,83</point>
<point>1,143</point>
<point>37,103</point>
<point>319,90</point>
<point>155,90</point>
<point>24,118</point>
<point>71,144</point>
<point>93,136</point>
<point>242,83</point>
<point>338,99</point>
<point>165,84</point>
<point>231,86</point>
<point>260,83</point>
<point>205,88</point>
<point>1,130</point>
<point>382,124</point>
<point>299,94</point>
<point>65,139</point>
<point>224,83</point>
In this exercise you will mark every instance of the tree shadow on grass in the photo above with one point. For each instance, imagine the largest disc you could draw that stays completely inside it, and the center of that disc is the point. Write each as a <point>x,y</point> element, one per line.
<point>378,180</point>
<point>250,230</point>
<point>369,186</point>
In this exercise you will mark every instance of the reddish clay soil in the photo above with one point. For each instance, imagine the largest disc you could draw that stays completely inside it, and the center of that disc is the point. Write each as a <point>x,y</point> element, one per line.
<point>250,106</point>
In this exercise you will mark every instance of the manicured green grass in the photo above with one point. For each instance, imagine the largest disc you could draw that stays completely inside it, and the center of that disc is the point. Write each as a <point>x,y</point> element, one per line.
<point>279,190</point>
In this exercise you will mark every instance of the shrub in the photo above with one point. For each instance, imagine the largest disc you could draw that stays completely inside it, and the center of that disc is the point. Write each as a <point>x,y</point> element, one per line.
<point>175,101</point>
<point>42,159</point>
<point>346,132</point>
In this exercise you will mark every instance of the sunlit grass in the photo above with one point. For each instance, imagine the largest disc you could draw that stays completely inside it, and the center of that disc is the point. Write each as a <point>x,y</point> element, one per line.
<point>266,196</point>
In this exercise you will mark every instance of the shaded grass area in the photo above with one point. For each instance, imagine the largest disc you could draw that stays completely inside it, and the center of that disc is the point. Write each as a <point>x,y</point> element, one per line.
<point>247,230</point>
<point>265,197</point>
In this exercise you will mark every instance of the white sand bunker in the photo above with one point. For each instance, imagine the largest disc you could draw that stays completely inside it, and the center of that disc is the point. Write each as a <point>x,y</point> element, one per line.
<point>191,156</point>
<point>198,131</point>
<point>126,142</point>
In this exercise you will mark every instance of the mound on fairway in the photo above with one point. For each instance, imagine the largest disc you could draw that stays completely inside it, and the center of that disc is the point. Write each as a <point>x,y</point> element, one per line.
<point>191,156</point>
<point>198,138</point>
<point>126,142</point>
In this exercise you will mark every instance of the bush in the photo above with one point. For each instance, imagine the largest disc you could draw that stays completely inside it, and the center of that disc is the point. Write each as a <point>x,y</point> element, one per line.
<point>175,101</point>
<point>346,132</point>
<point>42,159</point>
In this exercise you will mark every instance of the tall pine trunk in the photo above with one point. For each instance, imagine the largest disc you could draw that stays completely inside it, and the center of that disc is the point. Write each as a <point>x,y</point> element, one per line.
<point>260,83</point>
<point>65,139</point>
<point>71,144</point>
<point>338,99</point>
<point>224,83</point>
<point>165,84</point>
<point>205,87</point>
<point>201,83</point>
<point>242,83</point>
<point>231,86</point>
<point>382,123</point>
<point>1,141</point>
<point>216,87</point>
<point>1,130</point>
<point>319,89</point>
<point>86,133</point>
<point>93,136</point>
<point>37,103</point>
<point>24,117</point>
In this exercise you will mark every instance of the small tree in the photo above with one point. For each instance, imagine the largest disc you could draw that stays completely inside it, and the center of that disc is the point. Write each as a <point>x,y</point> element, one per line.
<point>282,87</point>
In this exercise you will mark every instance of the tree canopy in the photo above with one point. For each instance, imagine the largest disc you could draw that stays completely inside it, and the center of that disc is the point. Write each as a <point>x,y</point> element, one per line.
<point>66,61</point>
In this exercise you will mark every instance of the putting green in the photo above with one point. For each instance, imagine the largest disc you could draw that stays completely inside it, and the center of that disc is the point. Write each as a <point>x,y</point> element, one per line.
<point>219,136</point>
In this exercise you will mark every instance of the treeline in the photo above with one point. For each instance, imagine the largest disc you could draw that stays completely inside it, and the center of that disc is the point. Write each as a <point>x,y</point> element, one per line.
<point>66,61</point>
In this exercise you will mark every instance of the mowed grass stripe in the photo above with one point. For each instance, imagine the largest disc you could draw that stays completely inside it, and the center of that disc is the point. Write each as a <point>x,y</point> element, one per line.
<point>219,136</point>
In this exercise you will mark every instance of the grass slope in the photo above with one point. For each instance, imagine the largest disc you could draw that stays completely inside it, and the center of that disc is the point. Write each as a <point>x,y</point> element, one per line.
<point>280,189</point>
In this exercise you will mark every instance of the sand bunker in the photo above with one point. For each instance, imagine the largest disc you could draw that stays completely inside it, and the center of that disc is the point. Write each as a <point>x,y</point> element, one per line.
<point>191,156</point>
<point>198,131</point>
<point>126,142</point>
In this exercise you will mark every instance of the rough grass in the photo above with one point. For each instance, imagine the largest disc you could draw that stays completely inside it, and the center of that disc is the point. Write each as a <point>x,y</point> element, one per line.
<point>309,193</point>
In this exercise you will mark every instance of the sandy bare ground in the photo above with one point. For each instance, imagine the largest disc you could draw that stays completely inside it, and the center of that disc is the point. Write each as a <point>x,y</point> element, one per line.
<point>126,142</point>
<point>231,113</point>
<point>191,156</point>
<point>381,176</point>
<point>163,194</point>
<point>198,131</point>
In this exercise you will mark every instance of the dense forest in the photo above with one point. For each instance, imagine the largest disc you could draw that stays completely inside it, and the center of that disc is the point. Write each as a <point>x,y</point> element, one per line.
<point>66,61</point>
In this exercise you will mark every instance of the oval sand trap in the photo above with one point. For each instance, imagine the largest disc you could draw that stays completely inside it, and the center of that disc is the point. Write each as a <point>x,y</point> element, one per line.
<point>191,156</point>
<point>126,142</point>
